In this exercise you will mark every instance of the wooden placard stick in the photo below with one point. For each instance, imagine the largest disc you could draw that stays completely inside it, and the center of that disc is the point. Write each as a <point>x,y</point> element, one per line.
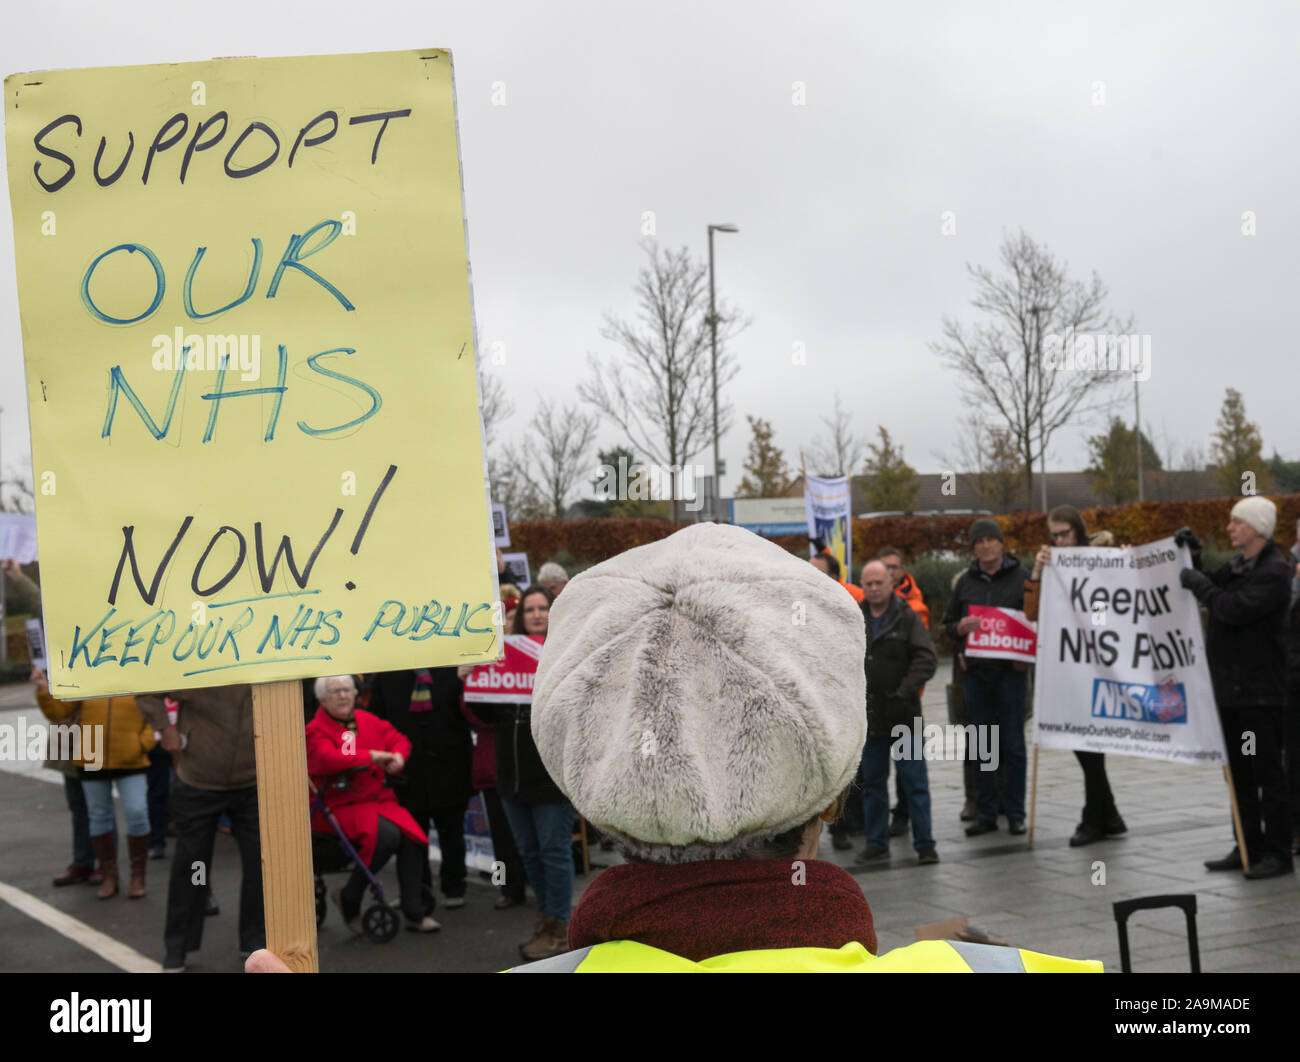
<point>1236,820</point>
<point>283,813</point>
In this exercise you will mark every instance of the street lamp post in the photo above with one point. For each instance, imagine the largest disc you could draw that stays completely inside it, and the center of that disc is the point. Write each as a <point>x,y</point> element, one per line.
<point>1137,423</point>
<point>713,340</point>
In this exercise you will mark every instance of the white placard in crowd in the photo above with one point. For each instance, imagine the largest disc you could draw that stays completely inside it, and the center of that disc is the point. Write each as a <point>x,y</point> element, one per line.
<point>1121,658</point>
<point>500,527</point>
<point>517,570</point>
<point>36,644</point>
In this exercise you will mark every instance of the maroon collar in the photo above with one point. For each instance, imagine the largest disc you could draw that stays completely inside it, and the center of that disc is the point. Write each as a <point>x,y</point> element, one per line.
<point>698,910</point>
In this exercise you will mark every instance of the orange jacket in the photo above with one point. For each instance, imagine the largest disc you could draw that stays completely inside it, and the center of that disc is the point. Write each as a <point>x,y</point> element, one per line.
<point>855,592</point>
<point>127,737</point>
<point>911,593</point>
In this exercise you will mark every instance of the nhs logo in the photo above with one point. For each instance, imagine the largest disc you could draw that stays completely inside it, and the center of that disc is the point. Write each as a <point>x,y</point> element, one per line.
<point>1165,703</point>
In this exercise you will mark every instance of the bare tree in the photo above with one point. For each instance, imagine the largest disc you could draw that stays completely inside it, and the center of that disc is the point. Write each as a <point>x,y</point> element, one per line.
<point>510,487</point>
<point>661,396</point>
<point>494,406</point>
<point>1193,458</point>
<point>17,494</point>
<point>1001,361</point>
<point>556,458</point>
<point>988,455</point>
<point>840,451</point>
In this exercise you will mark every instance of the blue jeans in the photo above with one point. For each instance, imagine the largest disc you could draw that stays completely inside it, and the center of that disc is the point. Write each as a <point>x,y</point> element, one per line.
<point>544,836</point>
<point>998,699</point>
<point>131,790</point>
<point>83,852</point>
<point>914,784</point>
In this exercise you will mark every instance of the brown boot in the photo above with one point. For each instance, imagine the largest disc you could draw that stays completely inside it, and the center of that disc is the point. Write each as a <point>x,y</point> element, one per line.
<point>552,940</point>
<point>107,859</point>
<point>538,923</point>
<point>139,849</point>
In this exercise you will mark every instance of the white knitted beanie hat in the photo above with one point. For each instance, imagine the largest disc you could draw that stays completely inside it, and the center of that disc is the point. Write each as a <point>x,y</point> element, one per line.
<point>699,694</point>
<point>1259,512</point>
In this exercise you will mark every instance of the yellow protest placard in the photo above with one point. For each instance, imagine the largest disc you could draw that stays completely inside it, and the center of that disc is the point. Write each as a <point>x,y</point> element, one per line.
<point>246,320</point>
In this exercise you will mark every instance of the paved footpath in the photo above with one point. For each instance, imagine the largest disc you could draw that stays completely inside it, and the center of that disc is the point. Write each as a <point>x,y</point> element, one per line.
<point>1043,898</point>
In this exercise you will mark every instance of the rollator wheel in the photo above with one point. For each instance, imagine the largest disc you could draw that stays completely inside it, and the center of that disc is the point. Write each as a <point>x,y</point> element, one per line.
<point>379,923</point>
<point>322,907</point>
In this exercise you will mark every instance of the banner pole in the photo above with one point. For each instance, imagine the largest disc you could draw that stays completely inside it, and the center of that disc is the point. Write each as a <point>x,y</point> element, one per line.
<point>283,817</point>
<point>1236,820</point>
<point>1033,797</point>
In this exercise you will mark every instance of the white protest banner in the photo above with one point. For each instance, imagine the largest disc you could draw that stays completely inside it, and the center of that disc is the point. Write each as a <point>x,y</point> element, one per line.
<point>1003,634</point>
<point>510,679</point>
<point>1121,659</point>
<point>18,536</point>
<point>828,505</point>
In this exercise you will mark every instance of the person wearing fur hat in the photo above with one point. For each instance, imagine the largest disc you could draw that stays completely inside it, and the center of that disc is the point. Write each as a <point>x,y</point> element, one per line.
<point>701,701</point>
<point>1245,643</point>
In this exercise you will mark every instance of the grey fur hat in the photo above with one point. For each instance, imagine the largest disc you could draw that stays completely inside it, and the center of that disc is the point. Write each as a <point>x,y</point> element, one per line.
<point>701,693</point>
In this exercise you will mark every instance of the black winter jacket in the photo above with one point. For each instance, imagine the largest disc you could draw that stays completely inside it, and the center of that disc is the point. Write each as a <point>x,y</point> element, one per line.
<point>1293,643</point>
<point>900,660</point>
<point>521,775</point>
<point>1246,639</point>
<point>441,748</point>
<point>1293,648</point>
<point>1005,588</point>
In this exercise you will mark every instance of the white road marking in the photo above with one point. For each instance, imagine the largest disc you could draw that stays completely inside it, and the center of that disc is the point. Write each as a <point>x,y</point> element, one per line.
<point>33,720</point>
<point>114,951</point>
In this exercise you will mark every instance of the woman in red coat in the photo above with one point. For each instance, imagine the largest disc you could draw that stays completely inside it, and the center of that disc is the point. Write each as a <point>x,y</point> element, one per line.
<point>343,739</point>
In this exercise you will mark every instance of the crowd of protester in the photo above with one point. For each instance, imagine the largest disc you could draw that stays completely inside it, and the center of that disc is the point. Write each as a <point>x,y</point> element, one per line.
<point>1252,606</point>
<point>396,752</point>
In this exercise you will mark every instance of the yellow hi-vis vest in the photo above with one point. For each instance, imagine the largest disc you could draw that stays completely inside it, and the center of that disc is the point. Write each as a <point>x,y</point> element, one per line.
<point>925,956</point>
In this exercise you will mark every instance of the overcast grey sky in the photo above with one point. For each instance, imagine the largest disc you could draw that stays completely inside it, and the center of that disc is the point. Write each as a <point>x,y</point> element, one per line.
<point>686,110</point>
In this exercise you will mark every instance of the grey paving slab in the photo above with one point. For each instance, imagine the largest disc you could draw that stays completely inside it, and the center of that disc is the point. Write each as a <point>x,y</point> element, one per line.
<point>1042,896</point>
<point>1286,946</point>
